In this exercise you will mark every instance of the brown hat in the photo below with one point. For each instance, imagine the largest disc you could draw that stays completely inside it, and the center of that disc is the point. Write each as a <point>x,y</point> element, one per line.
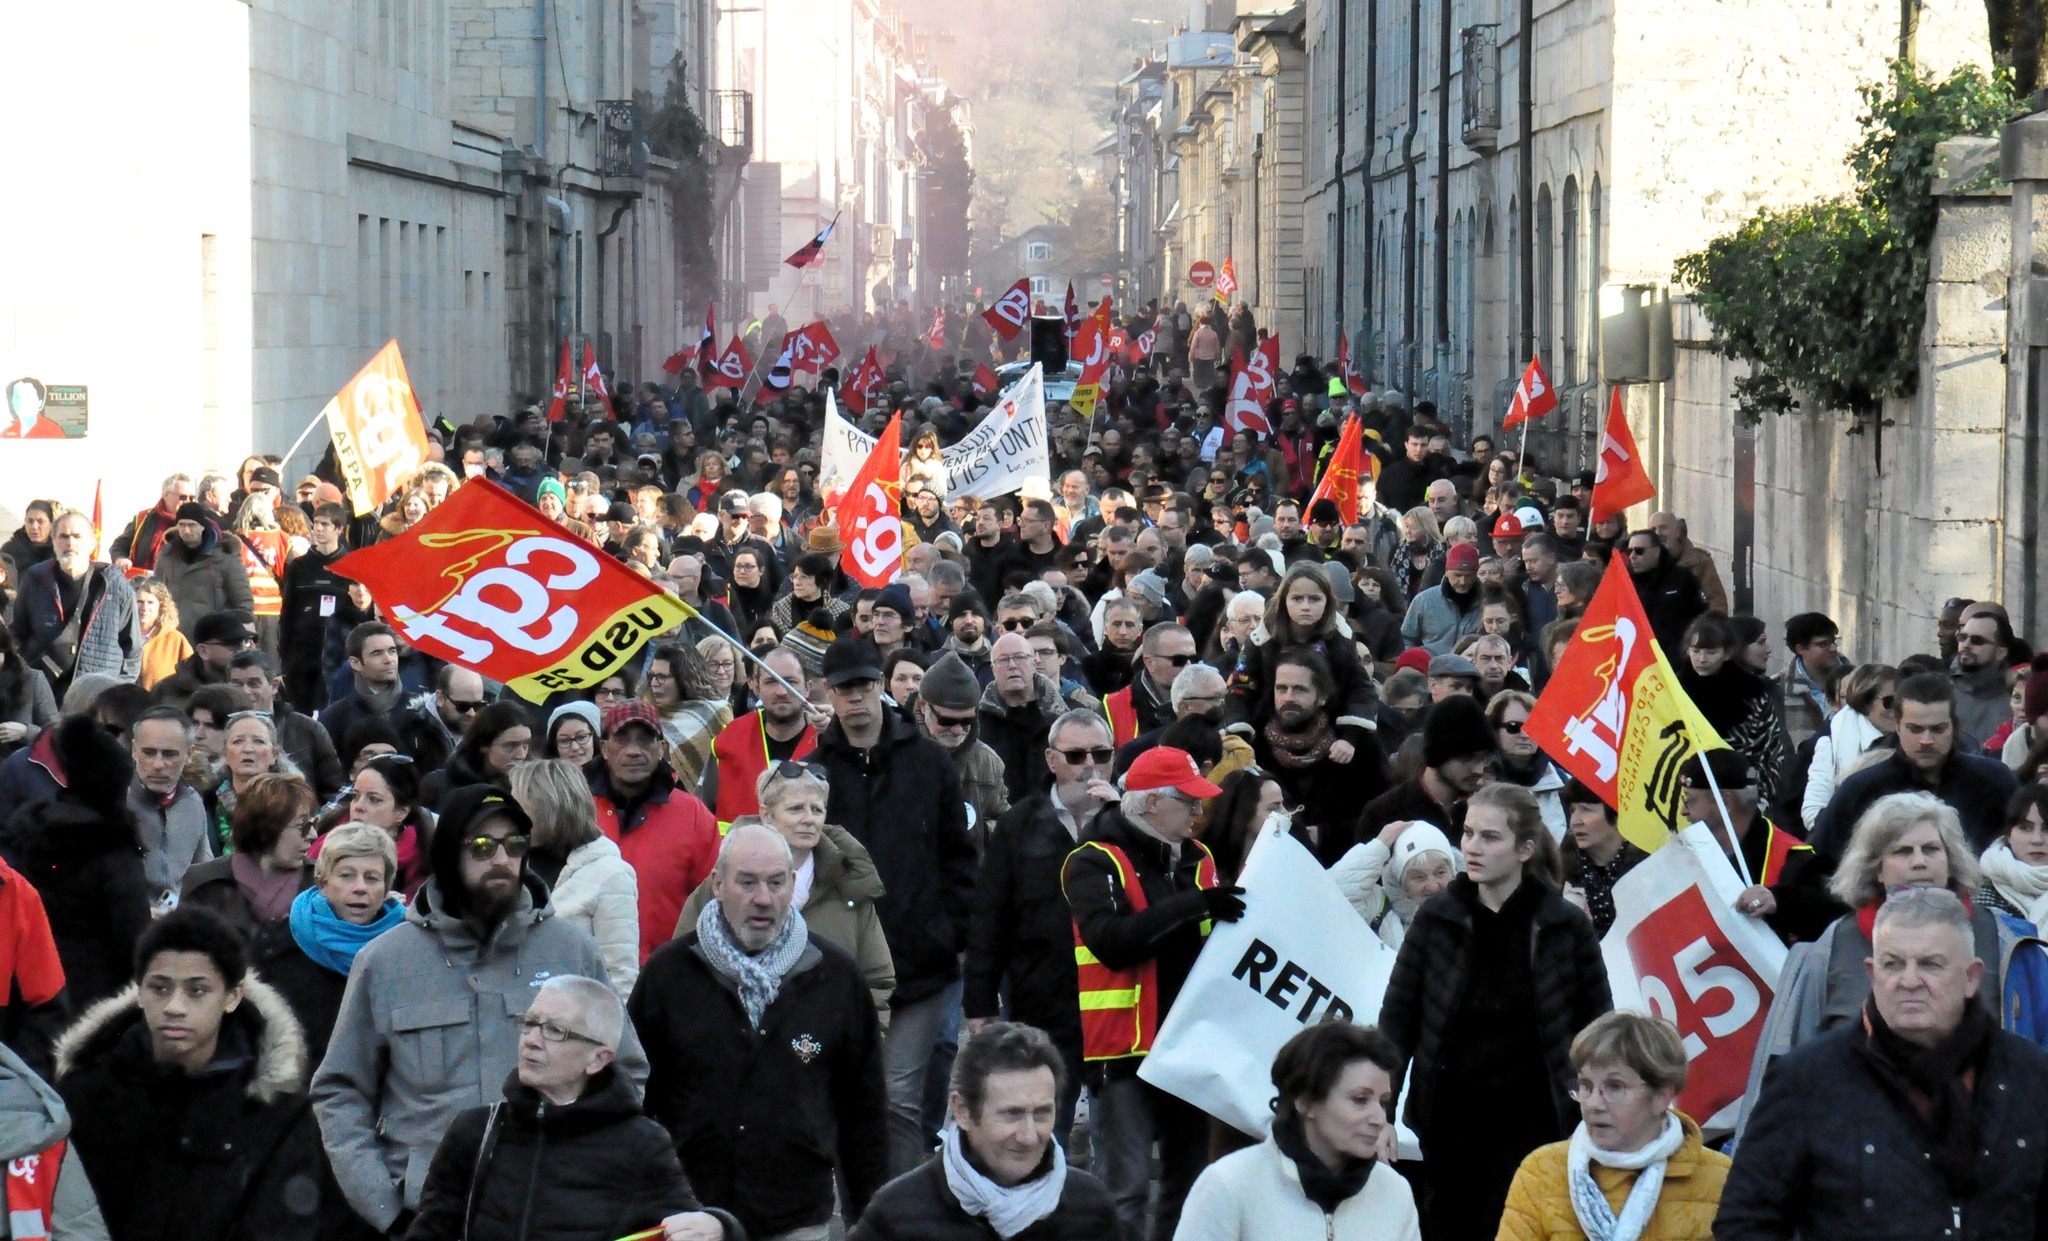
<point>824,540</point>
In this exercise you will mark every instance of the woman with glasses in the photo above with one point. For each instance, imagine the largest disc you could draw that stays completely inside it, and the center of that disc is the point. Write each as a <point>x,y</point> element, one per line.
<point>616,688</point>
<point>1636,1166</point>
<point>837,884</point>
<point>810,578</point>
<point>590,882</point>
<point>1737,702</point>
<point>1520,761</point>
<point>1868,719</point>
<point>307,955</point>
<point>1420,564</point>
<point>572,733</point>
<point>498,737</point>
<point>751,593</point>
<point>254,886</point>
<point>250,747</point>
<point>728,671</point>
<point>1496,977</point>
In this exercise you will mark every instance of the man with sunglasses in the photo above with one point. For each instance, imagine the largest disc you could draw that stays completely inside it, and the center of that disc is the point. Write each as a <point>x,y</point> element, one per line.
<point>1146,703</point>
<point>1983,699</point>
<point>428,1026</point>
<point>944,710</point>
<point>432,724</point>
<point>1671,596</point>
<point>1022,929</point>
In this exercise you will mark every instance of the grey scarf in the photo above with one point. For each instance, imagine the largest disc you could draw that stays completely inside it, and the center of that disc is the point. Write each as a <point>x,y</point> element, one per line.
<point>758,975</point>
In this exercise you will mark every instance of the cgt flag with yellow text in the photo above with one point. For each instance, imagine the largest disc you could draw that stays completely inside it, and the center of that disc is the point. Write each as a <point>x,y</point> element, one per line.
<point>1614,716</point>
<point>379,440</point>
<point>487,582</point>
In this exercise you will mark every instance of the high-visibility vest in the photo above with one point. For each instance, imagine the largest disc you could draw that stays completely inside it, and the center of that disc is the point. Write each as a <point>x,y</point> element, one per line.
<point>1122,716</point>
<point>1778,850</point>
<point>741,749</point>
<point>267,598</point>
<point>1120,1008</point>
<point>32,1192</point>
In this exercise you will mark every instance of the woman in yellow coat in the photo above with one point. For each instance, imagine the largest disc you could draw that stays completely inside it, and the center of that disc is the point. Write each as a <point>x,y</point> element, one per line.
<point>1635,1170</point>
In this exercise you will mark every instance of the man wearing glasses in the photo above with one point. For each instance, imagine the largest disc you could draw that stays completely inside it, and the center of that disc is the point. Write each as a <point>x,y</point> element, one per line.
<point>1016,710</point>
<point>432,725</point>
<point>1983,699</point>
<point>136,548</point>
<point>429,1023</point>
<point>1145,704</point>
<point>1022,928</point>
<point>511,1170</point>
<point>1670,594</point>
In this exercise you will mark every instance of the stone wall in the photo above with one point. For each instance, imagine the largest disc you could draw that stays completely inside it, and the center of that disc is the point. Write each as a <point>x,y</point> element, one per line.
<point>1875,526</point>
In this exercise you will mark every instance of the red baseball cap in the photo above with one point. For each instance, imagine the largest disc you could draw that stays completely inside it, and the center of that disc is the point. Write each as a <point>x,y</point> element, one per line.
<point>631,711</point>
<point>1463,556</point>
<point>1164,767</point>
<point>1508,526</point>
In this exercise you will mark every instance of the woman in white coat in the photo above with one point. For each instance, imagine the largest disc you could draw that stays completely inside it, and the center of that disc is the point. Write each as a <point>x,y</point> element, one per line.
<point>1869,714</point>
<point>1387,878</point>
<point>591,884</point>
<point>1317,1173</point>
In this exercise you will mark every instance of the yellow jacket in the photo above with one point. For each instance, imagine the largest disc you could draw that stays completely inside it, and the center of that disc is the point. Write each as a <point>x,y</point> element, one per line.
<point>1540,1201</point>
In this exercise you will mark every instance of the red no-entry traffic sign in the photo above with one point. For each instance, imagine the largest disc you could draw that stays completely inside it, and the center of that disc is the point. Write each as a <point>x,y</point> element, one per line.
<point>1202,275</point>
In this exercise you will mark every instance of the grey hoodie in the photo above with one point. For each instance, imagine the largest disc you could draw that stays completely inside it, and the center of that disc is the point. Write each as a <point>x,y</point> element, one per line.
<point>32,1117</point>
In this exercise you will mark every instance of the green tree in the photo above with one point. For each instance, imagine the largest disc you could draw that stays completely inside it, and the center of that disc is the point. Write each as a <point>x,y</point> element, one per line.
<point>948,197</point>
<point>675,132</point>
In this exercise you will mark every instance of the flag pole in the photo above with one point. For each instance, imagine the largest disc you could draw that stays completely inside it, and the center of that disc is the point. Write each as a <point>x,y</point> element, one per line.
<point>317,420</point>
<point>1727,820</point>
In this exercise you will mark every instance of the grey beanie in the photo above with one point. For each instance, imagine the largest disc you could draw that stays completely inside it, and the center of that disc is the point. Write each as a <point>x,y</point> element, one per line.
<point>950,684</point>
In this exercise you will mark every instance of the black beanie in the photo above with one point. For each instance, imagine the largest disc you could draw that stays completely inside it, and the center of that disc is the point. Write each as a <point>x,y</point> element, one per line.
<point>461,811</point>
<point>193,510</point>
<point>1455,728</point>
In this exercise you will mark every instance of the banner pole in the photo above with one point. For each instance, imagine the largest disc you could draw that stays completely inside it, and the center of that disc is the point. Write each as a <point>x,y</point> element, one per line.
<point>758,662</point>
<point>317,420</point>
<point>1727,820</point>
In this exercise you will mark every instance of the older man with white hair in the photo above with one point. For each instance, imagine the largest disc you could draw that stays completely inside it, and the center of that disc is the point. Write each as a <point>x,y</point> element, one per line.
<point>1144,894</point>
<point>73,616</point>
<point>517,1171</point>
<point>764,1052</point>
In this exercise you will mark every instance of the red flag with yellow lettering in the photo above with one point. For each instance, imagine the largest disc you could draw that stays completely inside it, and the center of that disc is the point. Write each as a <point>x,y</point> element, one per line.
<point>1614,716</point>
<point>487,582</point>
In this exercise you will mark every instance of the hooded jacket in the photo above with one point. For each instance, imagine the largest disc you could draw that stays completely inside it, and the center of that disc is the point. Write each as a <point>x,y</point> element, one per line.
<point>230,1153</point>
<point>427,1028</point>
<point>591,1170</point>
<point>81,852</point>
<point>32,1119</point>
<point>208,578</point>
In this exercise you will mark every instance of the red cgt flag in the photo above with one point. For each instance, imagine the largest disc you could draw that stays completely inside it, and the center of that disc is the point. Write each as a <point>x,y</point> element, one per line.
<point>1140,346</point>
<point>565,375</point>
<point>867,513</point>
<point>1071,312</point>
<point>853,392</point>
<point>985,380</point>
<point>730,370</point>
<point>811,347</point>
<point>1353,381</point>
<point>374,421</point>
<point>680,360</point>
<point>1533,397</point>
<point>1619,481</point>
<point>1011,311</point>
<point>1091,349</point>
<point>1340,477</point>
<point>486,582</point>
<point>1253,382</point>
<point>935,336</point>
<point>593,378</point>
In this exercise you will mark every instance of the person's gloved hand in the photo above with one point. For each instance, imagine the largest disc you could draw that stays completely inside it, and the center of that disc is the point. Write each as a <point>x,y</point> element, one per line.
<point>1225,904</point>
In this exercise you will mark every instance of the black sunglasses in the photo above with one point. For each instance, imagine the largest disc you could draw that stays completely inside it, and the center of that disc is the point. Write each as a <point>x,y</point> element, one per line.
<point>1090,754</point>
<point>1018,623</point>
<point>795,769</point>
<point>1513,727</point>
<point>484,847</point>
<point>467,708</point>
<point>1178,661</point>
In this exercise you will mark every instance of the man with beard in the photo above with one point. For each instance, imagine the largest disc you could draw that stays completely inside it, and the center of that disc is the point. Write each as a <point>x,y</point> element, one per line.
<point>1457,752</point>
<point>1439,616</point>
<point>423,1031</point>
<point>778,731</point>
<point>1111,668</point>
<point>1295,747</point>
<point>927,518</point>
<point>1144,704</point>
<point>1983,701</point>
<point>968,619</point>
<point>75,617</point>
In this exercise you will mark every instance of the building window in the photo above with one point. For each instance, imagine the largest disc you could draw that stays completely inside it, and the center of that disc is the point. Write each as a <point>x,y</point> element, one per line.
<point>1594,275</point>
<point>1546,276</point>
<point>1038,252</point>
<point>1569,235</point>
<point>1041,287</point>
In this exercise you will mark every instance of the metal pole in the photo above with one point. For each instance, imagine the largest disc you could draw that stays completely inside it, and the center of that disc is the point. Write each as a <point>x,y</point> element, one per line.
<point>1727,820</point>
<point>318,418</point>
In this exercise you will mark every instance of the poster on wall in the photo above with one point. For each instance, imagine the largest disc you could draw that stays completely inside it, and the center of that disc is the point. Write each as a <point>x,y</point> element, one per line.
<point>39,411</point>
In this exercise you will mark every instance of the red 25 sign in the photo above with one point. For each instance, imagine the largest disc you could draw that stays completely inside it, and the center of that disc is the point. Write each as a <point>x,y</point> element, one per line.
<point>1692,976</point>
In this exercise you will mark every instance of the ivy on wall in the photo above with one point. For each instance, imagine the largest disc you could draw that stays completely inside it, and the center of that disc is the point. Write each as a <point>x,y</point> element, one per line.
<point>1827,299</point>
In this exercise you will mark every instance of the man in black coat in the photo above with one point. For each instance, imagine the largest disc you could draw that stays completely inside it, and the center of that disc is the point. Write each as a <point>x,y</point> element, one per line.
<point>313,592</point>
<point>899,794</point>
<point>1670,594</point>
<point>998,1169</point>
<point>1022,929</point>
<point>1921,1120</point>
<point>764,1051</point>
<point>187,1097</point>
<point>567,1155</point>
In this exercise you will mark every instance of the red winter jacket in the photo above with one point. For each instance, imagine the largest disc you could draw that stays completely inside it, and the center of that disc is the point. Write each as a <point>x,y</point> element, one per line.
<point>670,840</point>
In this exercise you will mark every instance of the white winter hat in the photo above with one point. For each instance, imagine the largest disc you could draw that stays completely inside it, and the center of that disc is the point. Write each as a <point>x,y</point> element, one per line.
<point>1417,840</point>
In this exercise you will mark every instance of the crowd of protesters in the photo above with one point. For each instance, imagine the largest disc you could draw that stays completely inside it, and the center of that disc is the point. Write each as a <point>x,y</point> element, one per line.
<point>838,907</point>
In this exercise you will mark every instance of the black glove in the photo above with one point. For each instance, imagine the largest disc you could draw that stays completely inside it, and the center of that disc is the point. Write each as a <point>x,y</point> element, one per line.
<point>1225,904</point>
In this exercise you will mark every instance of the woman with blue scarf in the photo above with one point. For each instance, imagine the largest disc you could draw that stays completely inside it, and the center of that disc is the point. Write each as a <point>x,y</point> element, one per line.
<point>307,955</point>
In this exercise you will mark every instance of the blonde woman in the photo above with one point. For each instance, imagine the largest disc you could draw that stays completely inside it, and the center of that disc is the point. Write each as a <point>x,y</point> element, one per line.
<point>592,885</point>
<point>164,647</point>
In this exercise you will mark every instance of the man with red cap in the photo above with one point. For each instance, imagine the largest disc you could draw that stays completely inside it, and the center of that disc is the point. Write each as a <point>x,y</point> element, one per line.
<point>1439,616</point>
<point>1144,894</point>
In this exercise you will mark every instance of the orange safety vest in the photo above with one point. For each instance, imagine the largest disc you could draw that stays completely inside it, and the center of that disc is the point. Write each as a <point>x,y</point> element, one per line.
<point>741,750</point>
<point>1122,716</point>
<point>1120,1008</point>
<point>1778,850</point>
<point>32,1192</point>
<point>267,596</point>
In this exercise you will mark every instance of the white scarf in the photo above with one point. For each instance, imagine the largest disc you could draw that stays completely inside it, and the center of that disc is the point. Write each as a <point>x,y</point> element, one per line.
<point>1596,1218</point>
<point>1009,1210</point>
<point>2024,887</point>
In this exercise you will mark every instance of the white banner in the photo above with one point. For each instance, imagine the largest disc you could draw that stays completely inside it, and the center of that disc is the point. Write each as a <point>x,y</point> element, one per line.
<point>1300,954</point>
<point>1002,453</point>
<point>1680,950</point>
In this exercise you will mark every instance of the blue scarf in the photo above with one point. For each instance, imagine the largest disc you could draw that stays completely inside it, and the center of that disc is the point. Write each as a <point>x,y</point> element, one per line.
<point>327,938</point>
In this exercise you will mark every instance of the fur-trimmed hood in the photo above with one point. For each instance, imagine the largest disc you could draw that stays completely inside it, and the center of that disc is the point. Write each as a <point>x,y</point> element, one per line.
<point>263,1015</point>
<point>1046,692</point>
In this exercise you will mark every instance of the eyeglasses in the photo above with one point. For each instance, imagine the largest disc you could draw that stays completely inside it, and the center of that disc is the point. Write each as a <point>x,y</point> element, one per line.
<point>606,691</point>
<point>484,848</point>
<point>1098,755</point>
<point>1586,1092</point>
<point>960,722</point>
<point>793,769</point>
<point>1017,624</point>
<point>1512,727</point>
<point>467,708</point>
<point>552,1032</point>
<point>1011,661</point>
<point>1974,639</point>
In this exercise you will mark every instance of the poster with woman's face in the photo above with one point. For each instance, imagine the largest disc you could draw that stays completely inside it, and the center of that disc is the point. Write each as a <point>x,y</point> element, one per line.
<point>39,412</point>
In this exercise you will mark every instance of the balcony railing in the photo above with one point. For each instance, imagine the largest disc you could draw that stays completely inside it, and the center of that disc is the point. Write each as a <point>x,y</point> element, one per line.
<point>1481,94</point>
<point>618,139</point>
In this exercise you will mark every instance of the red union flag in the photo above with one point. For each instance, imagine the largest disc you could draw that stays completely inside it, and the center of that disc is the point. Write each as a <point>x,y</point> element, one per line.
<point>936,335</point>
<point>487,582</point>
<point>1614,716</point>
<point>860,382</point>
<point>1253,382</point>
<point>1011,311</point>
<point>867,513</point>
<point>1620,481</point>
<point>1678,949</point>
<point>1353,381</point>
<point>1092,351</point>
<point>1226,280</point>
<point>730,370</point>
<point>985,381</point>
<point>565,376</point>
<point>1533,397</point>
<point>1140,346</point>
<point>1071,313</point>
<point>811,347</point>
<point>593,378</point>
<point>1340,477</point>
<point>379,440</point>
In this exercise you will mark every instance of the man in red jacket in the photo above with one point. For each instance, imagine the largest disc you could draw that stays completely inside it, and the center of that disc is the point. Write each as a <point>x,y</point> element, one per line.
<point>667,835</point>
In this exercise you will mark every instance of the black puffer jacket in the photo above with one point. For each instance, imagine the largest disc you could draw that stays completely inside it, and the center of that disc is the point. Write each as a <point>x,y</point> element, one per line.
<point>591,1171</point>
<point>228,1154</point>
<point>1429,982</point>
<point>82,853</point>
<point>919,1206</point>
<point>1022,928</point>
<point>902,800</point>
<point>1831,1155</point>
